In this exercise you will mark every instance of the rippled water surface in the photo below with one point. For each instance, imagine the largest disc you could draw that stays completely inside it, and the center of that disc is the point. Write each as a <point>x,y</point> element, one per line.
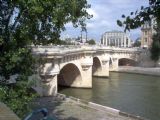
<point>132,93</point>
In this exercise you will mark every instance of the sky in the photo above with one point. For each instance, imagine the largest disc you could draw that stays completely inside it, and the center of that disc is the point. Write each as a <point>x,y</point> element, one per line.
<point>105,14</point>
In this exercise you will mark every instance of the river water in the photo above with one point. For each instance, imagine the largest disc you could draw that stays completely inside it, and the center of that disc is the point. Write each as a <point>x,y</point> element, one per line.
<point>133,93</point>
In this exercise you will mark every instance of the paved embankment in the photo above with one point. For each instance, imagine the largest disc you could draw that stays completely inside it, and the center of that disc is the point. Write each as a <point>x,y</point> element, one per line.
<point>76,109</point>
<point>6,113</point>
<point>140,70</point>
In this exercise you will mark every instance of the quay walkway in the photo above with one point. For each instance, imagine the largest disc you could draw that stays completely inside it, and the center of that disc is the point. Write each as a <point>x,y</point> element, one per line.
<point>140,70</point>
<point>70,109</point>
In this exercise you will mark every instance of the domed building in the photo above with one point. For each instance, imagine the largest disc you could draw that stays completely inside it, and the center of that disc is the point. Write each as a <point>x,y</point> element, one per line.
<point>116,39</point>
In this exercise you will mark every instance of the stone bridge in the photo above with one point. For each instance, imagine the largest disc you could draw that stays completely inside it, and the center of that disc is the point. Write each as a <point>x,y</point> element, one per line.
<point>75,66</point>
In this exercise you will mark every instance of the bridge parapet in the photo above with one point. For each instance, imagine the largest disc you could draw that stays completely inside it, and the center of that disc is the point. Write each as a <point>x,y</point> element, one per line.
<point>63,49</point>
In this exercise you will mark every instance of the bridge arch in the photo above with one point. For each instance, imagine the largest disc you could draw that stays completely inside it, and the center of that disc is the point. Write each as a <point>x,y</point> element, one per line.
<point>96,65</point>
<point>69,76</point>
<point>127,62</point>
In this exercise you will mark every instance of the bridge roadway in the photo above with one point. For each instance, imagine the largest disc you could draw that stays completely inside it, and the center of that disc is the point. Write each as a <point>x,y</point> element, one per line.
<point>74,66</point>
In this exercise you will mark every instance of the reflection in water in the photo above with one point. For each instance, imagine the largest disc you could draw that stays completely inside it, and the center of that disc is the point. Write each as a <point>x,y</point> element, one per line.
<point>132,93</point>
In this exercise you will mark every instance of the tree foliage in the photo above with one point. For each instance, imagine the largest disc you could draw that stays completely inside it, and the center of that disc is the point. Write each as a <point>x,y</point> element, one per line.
<point>17,97</point>
<point>138,18</point>
<point>137,43</point>
<point>155,48</point>
<point>91,42</point>
<point>27,22</point>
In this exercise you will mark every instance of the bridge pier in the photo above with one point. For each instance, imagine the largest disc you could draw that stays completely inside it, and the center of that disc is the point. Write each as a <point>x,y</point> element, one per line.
<point>114,65</point>
<point>87,77</point>
<point>103,71</point>
<point>86,71</point>
<point>48,72</point>
<point>49,85</point>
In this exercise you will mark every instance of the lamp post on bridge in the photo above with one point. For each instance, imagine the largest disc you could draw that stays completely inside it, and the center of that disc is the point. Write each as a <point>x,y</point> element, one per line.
<point>81,36</point>
<point>86,35</point>
<point>85,30</point>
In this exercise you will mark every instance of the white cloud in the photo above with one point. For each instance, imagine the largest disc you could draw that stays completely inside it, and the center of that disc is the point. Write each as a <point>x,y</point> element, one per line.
<point>69,25</point>
<point>90,25</point>
<point>105,23</point>
<point>92,12</point>
<point>105,14</point>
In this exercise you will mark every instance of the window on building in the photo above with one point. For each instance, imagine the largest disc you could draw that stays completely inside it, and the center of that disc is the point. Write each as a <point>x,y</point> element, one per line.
<point>146,40</point>
<point>105,42</point>
<point>101,40</point>
<point>108,41</point>
<point>145,32</point>
<point>119,43</point>
<point>126,41</point>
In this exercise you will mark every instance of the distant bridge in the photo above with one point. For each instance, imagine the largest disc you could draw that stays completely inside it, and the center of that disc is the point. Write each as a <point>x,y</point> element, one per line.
<point>74,66</point>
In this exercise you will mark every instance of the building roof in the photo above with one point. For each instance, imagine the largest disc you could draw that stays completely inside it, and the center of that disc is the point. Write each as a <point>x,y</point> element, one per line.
<point>114,31</point>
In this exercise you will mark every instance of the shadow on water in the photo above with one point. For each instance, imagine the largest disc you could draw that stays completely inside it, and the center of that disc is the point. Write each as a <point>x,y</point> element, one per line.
<point>61,88</point>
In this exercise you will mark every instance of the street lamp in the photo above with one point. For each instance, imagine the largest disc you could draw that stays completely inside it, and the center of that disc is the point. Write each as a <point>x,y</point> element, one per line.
<point>86,34</point>
<point>85,30</point>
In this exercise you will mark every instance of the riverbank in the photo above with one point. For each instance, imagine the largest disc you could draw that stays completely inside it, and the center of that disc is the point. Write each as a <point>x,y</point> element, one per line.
<point>140,70</point>
<point>75,109</point>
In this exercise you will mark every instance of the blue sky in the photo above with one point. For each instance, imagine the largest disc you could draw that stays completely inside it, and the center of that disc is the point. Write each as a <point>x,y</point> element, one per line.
<point>105,14</point>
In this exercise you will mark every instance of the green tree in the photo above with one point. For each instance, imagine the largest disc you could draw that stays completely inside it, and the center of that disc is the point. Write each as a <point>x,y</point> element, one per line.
<point>91,42</point>
<point>137,43</point>
<point>155,48</point>
<point>138,18</point>
<point>27,22</point>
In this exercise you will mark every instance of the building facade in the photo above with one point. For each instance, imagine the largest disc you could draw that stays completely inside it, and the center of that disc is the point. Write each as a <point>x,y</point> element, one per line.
<point>116,39</point>
<point>146,34</point>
